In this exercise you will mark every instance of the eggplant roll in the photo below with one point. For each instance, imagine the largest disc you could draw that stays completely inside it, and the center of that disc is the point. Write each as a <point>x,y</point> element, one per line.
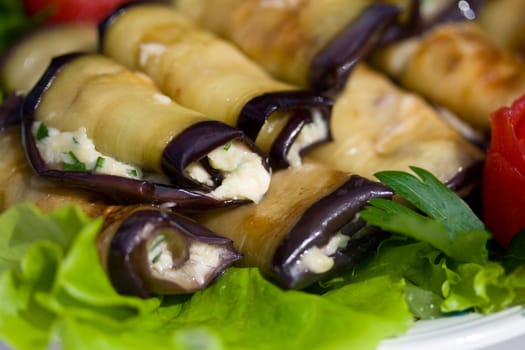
<point>312,44</point>
<point>455,65</point>
<point>306,228</point>
<point>207,74</point>
<point>145,250</point>
<point>503,20</point>
<point>91,114</point>
<point>24,62</point>
<point>379,126</point>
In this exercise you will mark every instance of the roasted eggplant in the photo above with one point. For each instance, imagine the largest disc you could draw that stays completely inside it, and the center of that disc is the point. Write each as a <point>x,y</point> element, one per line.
<point>313,44</point>
<point>455,65</point>
<point>90,121</point>
<point>306,228</point>
<point>146,250</point>
<point>26,60</point>
<point>207,74</point>
<point>379,126</point>
<point>503,21</point>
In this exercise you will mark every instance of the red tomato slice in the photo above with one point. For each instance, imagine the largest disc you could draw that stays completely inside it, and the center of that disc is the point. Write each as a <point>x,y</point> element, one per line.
<point>56,11</point>
<point>504,173</point>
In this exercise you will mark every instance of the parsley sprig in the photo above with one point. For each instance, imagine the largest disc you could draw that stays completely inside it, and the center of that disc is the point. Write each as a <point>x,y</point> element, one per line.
<point>439,217</point>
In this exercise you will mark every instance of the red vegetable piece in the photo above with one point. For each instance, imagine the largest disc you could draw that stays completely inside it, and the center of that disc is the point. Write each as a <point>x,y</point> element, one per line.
<point>504,173</point>
<point>58,11</point>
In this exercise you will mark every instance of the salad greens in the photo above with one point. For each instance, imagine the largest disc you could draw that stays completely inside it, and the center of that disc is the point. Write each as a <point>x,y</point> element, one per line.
<point>54,290</point>
<point>59,291</point>
<point>442,252</point>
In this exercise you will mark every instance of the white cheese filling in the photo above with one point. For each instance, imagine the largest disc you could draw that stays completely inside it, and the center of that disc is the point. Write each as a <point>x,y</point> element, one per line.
<point>320,259</point>
<point>74,150</point>
<point>202,261</point>
<point>311,133</point>
<point>244,175</point>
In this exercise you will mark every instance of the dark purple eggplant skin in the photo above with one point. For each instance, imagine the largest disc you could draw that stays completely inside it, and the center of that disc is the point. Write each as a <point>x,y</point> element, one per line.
<point>299,102</point>
<point>331,67</point>
<point>120,189</point>
<point>190,146</point>
<point>318,224</point>
<point>398,31</point>
<point>284,141</point>
<point>11,111</point>
<point>467,178</point>
<point>130,273</point>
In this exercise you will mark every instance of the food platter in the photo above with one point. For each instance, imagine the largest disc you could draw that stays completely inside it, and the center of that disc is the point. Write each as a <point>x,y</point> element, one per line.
<point>501,330</point>
<point>337,271</point>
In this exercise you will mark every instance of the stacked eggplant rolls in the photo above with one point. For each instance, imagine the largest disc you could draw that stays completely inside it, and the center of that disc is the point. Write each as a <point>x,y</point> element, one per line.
<point>248,133</point>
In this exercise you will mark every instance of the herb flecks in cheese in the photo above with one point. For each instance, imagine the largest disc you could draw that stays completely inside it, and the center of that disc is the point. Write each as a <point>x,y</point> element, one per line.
<point>75,151</point>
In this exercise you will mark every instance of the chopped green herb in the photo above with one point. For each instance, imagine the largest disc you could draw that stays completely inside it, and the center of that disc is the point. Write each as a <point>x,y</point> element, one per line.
<point>42,132</point>
<point>75,141</point>
<point>157,247</point>
<point>76,164</point>
<point>100,162</point>
<point>133,172</point>
<point>227,146</point>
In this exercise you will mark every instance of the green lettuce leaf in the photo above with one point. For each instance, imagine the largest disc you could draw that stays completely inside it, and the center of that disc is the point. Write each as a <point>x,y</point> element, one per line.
<point>485,288</point>
<point>58,292</point>
<point>437,284</point>
<point>57,274</point>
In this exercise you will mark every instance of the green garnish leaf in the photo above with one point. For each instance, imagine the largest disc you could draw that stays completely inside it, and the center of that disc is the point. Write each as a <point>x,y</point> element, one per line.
<point>75,141</point>
<point>76,164</point>
<point>227,146</point>
<point>99,162</point>
<point>42,132</point>
<point>446,221</point>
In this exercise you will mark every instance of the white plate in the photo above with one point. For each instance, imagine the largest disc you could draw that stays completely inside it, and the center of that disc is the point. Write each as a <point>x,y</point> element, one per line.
<point>504,330</point>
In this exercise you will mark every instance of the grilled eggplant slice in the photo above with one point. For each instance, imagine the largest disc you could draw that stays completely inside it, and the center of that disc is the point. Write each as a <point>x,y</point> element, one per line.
<point>379,126</point>
<point>455,65</point>
<point>503,22</point>
<point>306,228</point>
<point>146,250</point>
<point>151,251</point>
<point>25,61</point>
<point>210,75</point>
<point>86,104</point>
<point>22,64</point>
<point>312,44</point>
